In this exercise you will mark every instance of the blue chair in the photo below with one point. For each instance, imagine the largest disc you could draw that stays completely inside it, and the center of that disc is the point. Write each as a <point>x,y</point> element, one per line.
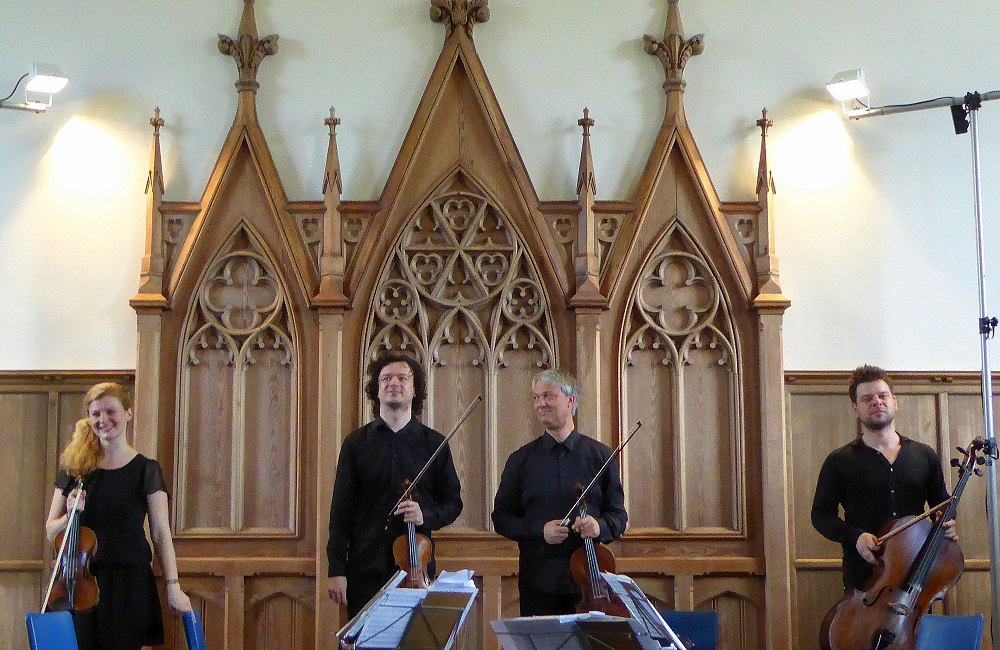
<point>700,627</point>
<point>951,632</point>
<point>51,631</point>
<point>193,631</point>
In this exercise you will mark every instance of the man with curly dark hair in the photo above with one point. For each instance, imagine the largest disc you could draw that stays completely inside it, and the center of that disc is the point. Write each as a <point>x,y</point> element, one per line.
<point>879,476</point>
<point>374,462</point>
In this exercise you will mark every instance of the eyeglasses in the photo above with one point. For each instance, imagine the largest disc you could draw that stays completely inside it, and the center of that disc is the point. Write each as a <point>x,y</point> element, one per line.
<point>404,378</point>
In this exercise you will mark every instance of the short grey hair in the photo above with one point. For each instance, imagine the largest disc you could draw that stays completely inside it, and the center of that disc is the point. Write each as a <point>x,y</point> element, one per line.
<point>564,381</point>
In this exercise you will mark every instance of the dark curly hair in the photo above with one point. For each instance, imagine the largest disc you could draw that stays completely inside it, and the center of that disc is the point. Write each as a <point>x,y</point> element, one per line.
<point>863,375</point>
<point>419,380</point>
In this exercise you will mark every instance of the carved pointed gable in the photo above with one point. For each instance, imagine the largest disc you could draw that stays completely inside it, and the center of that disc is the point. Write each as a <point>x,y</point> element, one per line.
<point>676,182</point>
<point>257,317</point>
<point>459,127</point>
<point>468,282</point>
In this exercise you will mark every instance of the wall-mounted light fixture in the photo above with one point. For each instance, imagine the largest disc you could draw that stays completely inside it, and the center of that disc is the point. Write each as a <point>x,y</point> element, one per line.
<point>849,88</point>
<point>44,80</point>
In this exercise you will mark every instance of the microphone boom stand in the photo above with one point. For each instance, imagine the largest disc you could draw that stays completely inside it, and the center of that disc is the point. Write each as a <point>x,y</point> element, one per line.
<point>960,108</point>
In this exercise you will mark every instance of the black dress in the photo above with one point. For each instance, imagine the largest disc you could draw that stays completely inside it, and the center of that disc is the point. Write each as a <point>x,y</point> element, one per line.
<point>127,615</point>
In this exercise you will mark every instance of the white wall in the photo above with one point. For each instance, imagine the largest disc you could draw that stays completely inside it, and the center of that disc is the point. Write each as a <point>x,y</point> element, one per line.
<point>875,223</point>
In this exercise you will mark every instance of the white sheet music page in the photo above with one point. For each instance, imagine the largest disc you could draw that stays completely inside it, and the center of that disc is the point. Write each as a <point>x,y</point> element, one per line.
<point>388,620</point>
<point>460,581</point>
<point>641,609</point>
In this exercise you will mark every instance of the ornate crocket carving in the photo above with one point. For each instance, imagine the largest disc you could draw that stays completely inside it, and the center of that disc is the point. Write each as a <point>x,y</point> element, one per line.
<point>247,50</point>
<point>459,13</point>
<point>674,50</point>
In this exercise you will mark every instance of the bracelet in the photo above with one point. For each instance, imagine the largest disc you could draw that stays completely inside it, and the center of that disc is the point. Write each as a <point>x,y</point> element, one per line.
<point>173,581</point>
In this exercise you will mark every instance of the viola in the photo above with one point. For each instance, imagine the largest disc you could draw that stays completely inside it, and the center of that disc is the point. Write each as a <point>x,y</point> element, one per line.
<point>412,552</point>
<point>916,565</point>
<point>586,565</point>
<point>73,586</point>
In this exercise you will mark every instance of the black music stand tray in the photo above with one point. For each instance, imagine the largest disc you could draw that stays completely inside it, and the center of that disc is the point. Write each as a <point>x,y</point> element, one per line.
<point>436,620</point>
<point>616,634</point>
<point>411,619</point>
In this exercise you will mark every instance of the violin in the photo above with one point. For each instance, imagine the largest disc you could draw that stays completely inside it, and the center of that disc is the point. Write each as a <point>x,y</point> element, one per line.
<point>586,565</point>
<point>73,586</point>
<point>916,565</point>
<point>412,552</point>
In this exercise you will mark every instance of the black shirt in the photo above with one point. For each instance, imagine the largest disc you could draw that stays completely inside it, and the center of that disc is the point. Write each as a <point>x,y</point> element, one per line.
<point>873,492</point>
<point>538,486</point>
<point>116,509</point>
<point>374,461</point>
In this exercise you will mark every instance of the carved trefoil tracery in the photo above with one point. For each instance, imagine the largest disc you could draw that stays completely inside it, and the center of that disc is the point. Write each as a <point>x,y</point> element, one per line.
<point>461,294</point>
<point>681,376</point>
<point>238,391</point>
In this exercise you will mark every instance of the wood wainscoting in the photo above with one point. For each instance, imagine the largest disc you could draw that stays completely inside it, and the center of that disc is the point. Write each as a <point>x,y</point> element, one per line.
<point>943,410</point>
<point>38,411</point>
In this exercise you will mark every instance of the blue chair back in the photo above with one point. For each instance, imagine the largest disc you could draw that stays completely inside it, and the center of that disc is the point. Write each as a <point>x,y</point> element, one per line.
<point>701,627</point>
<point>193,631</point>
<point>51,631</point>
<point>950,632</point>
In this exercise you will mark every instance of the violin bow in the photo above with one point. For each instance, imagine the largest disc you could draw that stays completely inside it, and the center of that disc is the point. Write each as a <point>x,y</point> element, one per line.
<point>898,529</point>
<point>423,470</point>
<point>614,454</point>
<point>62,547</point>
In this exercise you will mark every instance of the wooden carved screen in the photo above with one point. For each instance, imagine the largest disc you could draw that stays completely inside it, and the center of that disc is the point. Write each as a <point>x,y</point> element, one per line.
<point>238,398</point>
<point>257,317</point>
<point>461,294</point>
<point>680,345</point>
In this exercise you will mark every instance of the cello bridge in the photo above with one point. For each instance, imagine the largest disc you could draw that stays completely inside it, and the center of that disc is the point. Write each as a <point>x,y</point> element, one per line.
<point>900,609</point>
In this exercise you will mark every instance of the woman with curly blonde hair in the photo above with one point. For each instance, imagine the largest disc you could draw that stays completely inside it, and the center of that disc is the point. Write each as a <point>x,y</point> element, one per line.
<point>120,489</point>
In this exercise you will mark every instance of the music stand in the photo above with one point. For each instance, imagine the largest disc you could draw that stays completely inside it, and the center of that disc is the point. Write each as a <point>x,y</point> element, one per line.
<point>617,634</point>
<point>436,621</point>
<point>542,632</point>
<point>412,619</point>
<point>641,609</point>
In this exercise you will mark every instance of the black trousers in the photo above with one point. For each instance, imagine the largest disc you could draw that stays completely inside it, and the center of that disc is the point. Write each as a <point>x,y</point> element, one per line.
<point>535,602</point>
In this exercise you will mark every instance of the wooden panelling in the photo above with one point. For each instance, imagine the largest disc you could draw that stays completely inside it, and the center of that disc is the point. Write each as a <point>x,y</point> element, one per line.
<point>38,411</point>
<point>257,316</point>
<point>940,409</point>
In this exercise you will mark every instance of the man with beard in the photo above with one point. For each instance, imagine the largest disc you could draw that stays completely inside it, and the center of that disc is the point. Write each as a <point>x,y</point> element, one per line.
<point>878,477</point>
<point>374,462</point>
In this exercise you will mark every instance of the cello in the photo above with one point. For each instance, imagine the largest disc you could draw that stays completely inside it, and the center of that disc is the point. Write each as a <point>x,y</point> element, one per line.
<point>916,565</point>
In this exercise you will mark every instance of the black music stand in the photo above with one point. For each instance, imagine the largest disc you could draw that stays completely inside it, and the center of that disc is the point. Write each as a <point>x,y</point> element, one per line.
<point>617,634</point>
<point>436,621</point>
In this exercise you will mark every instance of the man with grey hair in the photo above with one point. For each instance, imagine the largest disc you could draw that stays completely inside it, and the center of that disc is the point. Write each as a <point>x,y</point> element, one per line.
<point>537,488</point>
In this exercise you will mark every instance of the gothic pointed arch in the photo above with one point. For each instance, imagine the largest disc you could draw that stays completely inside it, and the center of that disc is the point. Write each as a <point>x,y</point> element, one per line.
<point>240,345</point>
<point>461,293</point>
<point>680,339</point>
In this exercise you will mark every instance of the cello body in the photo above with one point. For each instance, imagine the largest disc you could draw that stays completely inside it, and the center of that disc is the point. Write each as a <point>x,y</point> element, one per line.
<point>885,616</point>
<point>914,568</point>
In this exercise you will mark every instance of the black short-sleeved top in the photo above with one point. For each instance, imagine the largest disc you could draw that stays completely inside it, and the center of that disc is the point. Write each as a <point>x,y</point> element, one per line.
<point>873,492</point>
<point>116,509</point>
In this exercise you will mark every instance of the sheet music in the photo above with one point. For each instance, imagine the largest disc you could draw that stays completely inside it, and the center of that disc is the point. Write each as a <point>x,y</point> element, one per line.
<point>641,609</point>
<point>385,626</point>
<point>460,581</point>
<point>543,632</point>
